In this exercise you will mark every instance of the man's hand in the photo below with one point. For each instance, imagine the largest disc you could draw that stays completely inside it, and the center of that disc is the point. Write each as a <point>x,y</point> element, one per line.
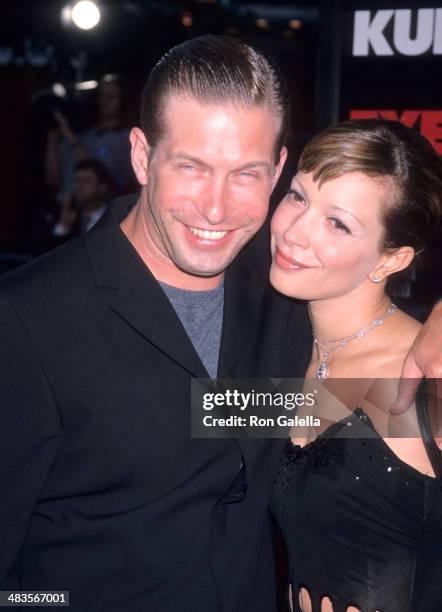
<point>423,359</point>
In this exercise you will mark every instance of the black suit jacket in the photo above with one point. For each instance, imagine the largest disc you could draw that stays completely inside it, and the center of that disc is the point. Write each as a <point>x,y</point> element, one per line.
<point>102,490</point>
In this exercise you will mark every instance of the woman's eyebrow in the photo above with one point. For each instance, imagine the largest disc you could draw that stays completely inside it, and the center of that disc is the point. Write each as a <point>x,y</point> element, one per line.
<point>347,212</point>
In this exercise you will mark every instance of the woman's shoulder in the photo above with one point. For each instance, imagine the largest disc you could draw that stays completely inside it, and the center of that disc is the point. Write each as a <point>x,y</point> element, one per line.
<point>385,357</point>
<point>408,328</point>
<point>396,346</point>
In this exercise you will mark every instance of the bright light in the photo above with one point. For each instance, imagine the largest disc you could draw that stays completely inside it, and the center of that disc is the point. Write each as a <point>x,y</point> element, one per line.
<point>262,23</point>
<point>59,90</point>
<point>295,24</point>
<point>85,14</point>
<point>66,15</point>
<point>187,20</point>
<point>86,85</point>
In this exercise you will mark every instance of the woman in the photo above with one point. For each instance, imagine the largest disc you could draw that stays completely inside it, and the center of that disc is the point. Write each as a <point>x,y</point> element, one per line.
<point>361,516</point>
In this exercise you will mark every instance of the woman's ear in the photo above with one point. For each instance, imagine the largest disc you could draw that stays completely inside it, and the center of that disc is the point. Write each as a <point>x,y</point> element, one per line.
<point>139,154</point>
<point>391,262</point>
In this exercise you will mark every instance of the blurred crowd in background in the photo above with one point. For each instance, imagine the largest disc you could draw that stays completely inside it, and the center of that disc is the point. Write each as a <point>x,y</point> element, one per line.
<point>85,168</point>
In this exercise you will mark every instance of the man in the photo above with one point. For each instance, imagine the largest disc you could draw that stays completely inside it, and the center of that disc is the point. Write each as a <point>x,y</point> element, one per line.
<point>104,493</point>
<point>93,186</point>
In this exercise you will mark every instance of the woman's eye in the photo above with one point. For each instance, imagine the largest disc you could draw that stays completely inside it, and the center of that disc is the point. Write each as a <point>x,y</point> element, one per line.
<point>338,225</point>
<point>295,196</point>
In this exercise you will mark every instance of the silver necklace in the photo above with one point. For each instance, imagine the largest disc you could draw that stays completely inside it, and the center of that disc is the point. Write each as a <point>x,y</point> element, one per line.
<point>326,347</point>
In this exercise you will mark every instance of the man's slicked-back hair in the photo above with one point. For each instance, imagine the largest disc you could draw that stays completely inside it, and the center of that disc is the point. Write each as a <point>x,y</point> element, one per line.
<point>215,70</point>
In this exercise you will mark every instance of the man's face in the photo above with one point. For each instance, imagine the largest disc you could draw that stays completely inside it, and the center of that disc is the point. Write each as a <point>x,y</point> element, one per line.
<point>208,185</point>
<point>109,99</point>
<point>87,187</point>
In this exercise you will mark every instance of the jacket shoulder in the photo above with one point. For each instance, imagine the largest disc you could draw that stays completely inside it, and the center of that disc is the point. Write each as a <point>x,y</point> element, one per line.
<point>43,280</point>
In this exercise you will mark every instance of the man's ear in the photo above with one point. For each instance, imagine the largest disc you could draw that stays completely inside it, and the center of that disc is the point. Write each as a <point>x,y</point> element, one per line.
<point>392,261</point>
<point>139,154</point>
<point>279,166</point>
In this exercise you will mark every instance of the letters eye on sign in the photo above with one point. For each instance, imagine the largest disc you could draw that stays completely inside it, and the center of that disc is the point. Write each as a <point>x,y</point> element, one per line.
<point>370,36</point>
<point>429,122</point>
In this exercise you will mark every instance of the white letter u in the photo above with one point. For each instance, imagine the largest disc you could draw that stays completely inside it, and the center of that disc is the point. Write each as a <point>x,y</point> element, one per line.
<point>424,31</point>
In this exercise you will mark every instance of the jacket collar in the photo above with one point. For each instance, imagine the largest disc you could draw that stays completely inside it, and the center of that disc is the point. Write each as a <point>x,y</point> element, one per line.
<point>141,302</point>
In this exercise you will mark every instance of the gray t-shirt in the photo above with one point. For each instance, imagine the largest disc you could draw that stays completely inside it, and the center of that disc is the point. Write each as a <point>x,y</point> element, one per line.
<point>201,313</point>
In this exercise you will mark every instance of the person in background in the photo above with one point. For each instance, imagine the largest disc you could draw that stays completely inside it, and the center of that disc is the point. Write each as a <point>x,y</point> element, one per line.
<point>93,188</point>
<point>107,140</point>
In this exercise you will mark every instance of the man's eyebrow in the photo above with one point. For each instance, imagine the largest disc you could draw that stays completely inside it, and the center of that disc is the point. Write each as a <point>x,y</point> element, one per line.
<point>347,212</point>
<point>188,156</point>
<point>256,164</point>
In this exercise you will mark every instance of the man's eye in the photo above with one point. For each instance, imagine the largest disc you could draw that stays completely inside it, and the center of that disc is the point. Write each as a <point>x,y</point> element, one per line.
<point>338,225</point>
<point>187,167</point>
<point>247,174</point>
<point>295,196</point>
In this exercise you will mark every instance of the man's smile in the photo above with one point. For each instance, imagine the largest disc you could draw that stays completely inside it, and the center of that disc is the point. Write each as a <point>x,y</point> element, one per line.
<point>208,234</point>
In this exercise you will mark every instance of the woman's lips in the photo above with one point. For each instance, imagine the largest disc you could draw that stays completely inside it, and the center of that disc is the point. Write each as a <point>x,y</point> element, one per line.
<point>287,263</point>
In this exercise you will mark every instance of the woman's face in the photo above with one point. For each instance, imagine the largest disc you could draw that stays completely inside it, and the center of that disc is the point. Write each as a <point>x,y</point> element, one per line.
<point>325,240</point>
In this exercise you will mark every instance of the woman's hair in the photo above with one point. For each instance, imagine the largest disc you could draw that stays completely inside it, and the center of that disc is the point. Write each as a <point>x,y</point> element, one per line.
<point>385,150</point>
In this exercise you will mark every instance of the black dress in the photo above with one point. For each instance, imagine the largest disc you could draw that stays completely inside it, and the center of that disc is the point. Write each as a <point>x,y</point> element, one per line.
<point>361,526</point>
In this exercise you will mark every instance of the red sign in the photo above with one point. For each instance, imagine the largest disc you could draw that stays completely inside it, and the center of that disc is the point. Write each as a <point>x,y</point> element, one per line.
<point>429,122</point>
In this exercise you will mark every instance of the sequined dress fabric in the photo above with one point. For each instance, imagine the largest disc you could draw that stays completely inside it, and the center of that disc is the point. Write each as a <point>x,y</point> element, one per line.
<point>361,526</point>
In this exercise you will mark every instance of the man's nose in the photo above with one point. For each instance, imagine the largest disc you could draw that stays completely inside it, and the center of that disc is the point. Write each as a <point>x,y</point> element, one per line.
<point>299,230</point>
<point>214,201</point>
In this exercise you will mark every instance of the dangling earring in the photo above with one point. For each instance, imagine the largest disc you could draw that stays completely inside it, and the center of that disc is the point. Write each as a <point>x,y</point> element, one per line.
<point>376,278</point>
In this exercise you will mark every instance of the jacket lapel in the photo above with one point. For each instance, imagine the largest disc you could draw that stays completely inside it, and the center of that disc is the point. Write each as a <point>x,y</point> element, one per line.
<point>141,302</point>
<point>243,293</point>
<point>138,299</point>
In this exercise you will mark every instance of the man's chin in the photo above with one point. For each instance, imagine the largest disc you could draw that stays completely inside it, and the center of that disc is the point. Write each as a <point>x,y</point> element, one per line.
<point>204,270</point>
<point>202,273</point>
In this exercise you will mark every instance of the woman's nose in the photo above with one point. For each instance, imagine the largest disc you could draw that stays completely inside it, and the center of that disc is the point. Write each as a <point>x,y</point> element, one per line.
<point>298,231</point>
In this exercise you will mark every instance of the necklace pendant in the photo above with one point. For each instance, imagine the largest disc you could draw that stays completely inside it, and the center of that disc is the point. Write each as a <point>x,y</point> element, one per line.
<point>322,371</point>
